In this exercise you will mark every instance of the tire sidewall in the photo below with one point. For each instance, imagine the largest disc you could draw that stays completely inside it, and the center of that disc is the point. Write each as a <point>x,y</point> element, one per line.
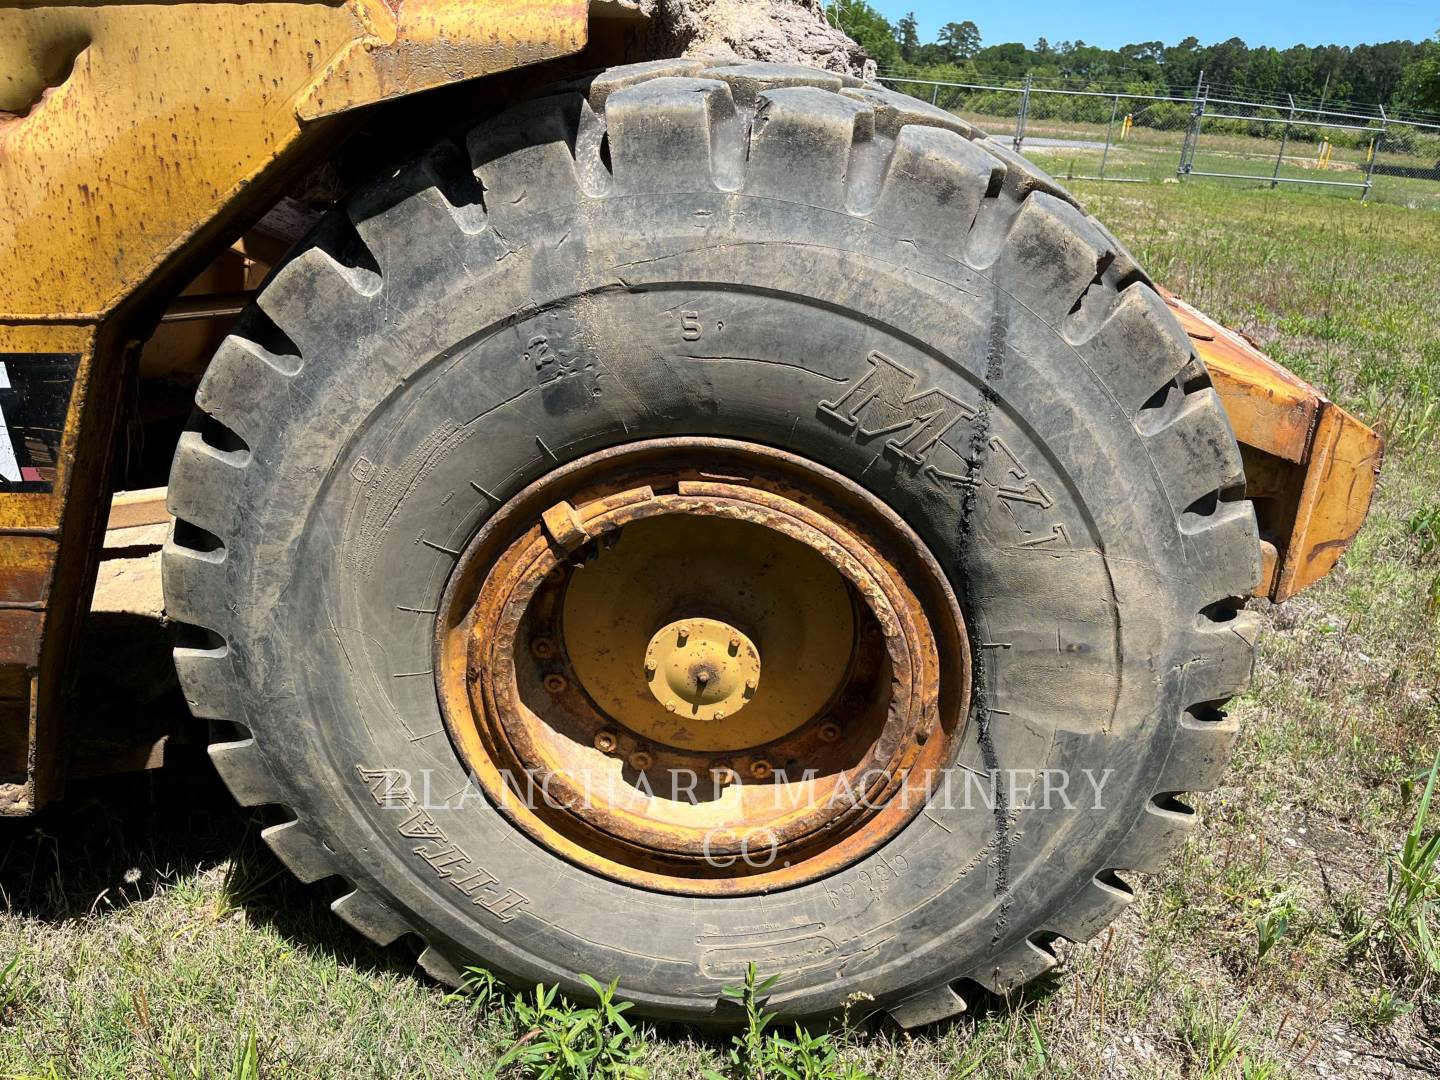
<point>463,388</point>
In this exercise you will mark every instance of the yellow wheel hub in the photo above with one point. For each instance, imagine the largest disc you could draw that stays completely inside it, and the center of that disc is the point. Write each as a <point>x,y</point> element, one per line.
<point>723,578</point>
<point>599,658</point>
<point>702,668</point>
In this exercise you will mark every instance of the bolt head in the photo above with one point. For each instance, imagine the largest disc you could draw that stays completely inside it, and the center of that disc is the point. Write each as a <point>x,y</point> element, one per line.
<point>641,759</point>
<point>543,647</point>
<point>555,683</point>
<point>761,769</point>
<point>606,742</point>
<point>830,731</point>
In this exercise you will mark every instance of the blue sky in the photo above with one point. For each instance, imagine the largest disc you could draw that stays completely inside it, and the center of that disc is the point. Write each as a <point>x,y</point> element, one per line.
<point>1258,22</point>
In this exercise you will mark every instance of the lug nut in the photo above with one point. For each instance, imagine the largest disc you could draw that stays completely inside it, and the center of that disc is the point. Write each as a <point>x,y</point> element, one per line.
<point>829,731</point>
<point>606,742</point>
<point>555,683</point>
<point>641,759</point>
<point>671,705</point>
<point>761,769</point>
<point>543,647</point>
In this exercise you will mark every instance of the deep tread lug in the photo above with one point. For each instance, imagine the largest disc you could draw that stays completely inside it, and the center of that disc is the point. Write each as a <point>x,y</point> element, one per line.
<point>1015,967</point>
<point>1138,348</point>
<point>1195,451</point>
<point>894,111</point>
<point>1152,838</point>
<point>305,856</point>
<point>526,160</point>
<point>1050,257</point>
<point>666,132</point>
<point>189,578</point>
<point>749,81</point>
<point>241,383</point>
<point>930,1007</point>
<point>608,82</point>
<point>802,140</point>
<point>1087,913</point>
<point>929,164</point>
<point>202,481</point>
<point>1219,659</point>
<point>207,682</point>
<point>314,280</point>
<point>1224,551</point>
<point>439,967</point>
<point>374,918</point>
<point>243,768</point>
<point>1198,754</point>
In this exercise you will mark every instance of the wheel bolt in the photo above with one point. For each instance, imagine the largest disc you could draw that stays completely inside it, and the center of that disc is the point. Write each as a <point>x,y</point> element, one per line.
<point>641,759</point>
<point>761,769</point>
<point>555,683</point>
<point>543,647</point>
<point>829,731</point>
<point>606,742</point>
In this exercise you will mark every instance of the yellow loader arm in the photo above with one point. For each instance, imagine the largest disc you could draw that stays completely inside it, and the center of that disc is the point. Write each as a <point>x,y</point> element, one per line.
<point>1310,467</point>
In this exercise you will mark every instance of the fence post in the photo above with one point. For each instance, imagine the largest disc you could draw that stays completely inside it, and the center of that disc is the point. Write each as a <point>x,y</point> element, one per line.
<point>1375,141</point>
<point>1021,115</point>
<point>934,93</point>
<point>1109,129</point>
<point>1284,138</point>
<point>1192,137</point>
<point>1192,134</point>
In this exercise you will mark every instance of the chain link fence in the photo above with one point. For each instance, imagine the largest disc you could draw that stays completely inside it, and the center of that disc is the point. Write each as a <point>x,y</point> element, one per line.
<point>1134,137</point>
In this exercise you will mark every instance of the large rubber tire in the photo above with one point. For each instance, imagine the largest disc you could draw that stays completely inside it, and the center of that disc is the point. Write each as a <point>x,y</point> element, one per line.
<point>673,250</point>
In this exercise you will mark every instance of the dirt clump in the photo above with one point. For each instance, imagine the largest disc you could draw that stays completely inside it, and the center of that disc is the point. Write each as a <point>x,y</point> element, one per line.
<point>777,31</point>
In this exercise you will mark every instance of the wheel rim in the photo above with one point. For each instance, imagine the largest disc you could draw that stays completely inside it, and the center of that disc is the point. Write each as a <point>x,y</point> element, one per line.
<point>702,666</point>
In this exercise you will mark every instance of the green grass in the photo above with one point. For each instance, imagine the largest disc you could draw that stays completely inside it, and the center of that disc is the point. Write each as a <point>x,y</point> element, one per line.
<point>145,931</point>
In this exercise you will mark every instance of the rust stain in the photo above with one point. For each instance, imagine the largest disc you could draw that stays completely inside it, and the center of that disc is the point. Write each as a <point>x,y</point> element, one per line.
<point>20,630</point>
<point>25,565</point>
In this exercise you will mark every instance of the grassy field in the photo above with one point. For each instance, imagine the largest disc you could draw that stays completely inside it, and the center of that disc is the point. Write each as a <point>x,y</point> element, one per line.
<point>145,931</point>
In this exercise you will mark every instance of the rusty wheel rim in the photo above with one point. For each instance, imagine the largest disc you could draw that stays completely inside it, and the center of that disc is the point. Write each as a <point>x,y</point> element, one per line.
<point>639,659</point>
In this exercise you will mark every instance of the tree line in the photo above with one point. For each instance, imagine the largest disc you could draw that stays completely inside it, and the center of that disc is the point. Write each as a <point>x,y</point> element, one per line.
<point>1401,75</point>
